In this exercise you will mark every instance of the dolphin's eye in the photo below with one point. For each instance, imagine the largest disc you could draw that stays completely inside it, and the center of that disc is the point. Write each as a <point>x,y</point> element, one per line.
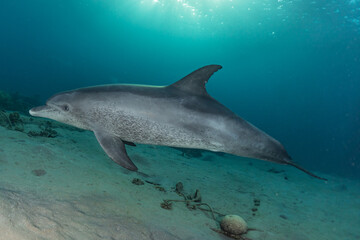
<point>65,108</point>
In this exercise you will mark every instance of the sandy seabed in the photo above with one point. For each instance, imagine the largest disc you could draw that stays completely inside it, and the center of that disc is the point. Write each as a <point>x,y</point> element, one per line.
<point>67,188</point>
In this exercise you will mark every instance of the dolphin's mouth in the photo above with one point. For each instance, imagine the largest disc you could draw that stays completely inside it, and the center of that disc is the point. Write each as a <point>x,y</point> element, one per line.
<point>37,111</point>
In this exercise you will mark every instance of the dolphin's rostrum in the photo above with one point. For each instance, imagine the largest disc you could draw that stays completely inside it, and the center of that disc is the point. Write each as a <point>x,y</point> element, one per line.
<point>179,115</point>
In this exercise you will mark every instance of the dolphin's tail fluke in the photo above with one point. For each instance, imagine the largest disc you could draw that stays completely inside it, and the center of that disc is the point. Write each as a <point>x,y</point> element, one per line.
<point>304,170</point>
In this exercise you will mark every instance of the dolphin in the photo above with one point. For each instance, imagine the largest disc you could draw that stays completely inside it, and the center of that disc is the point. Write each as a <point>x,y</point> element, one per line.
<point>181,115</point>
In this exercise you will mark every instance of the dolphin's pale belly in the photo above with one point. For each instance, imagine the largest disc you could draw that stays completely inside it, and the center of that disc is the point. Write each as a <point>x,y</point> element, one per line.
<point>162,127</point>
<point>150,132</point>
<point>146,131</point>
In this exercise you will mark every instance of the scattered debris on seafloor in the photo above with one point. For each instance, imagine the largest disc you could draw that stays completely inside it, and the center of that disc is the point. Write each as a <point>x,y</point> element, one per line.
<point>231,226</point>
<point>137,181</point>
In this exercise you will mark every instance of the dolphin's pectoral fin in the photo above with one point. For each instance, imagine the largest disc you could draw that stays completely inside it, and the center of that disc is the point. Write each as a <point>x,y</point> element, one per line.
<point>194,83</point>
<point>115,149</point>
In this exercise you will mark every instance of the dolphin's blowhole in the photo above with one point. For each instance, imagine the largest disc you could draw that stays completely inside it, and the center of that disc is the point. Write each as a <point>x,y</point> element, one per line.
<point>234,224</point>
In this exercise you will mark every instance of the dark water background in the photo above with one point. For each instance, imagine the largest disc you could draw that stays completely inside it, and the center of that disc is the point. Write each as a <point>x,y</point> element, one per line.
<point>289,67</point>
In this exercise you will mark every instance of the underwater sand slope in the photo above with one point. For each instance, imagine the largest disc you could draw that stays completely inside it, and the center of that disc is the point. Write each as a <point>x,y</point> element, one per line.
<point>33,218</point>
<point>67,188</point>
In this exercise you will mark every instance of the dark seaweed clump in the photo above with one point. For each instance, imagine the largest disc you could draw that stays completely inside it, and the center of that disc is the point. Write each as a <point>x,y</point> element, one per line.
<point>137,181</point>
<point>38,172</point>
<point>46,131</point>
<point>11,121</point>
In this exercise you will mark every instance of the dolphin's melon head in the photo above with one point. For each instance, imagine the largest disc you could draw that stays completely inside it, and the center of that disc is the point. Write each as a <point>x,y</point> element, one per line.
<point>60,107</point>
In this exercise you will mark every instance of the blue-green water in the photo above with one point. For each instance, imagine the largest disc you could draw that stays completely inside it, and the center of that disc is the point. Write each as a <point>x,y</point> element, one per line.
<point>289,67</point>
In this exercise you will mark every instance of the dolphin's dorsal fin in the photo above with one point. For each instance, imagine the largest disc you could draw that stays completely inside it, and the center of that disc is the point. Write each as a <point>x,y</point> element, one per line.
<point>194,83</point>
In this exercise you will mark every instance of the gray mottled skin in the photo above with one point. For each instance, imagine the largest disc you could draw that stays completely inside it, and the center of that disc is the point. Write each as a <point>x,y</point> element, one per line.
<point>179,115</point>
